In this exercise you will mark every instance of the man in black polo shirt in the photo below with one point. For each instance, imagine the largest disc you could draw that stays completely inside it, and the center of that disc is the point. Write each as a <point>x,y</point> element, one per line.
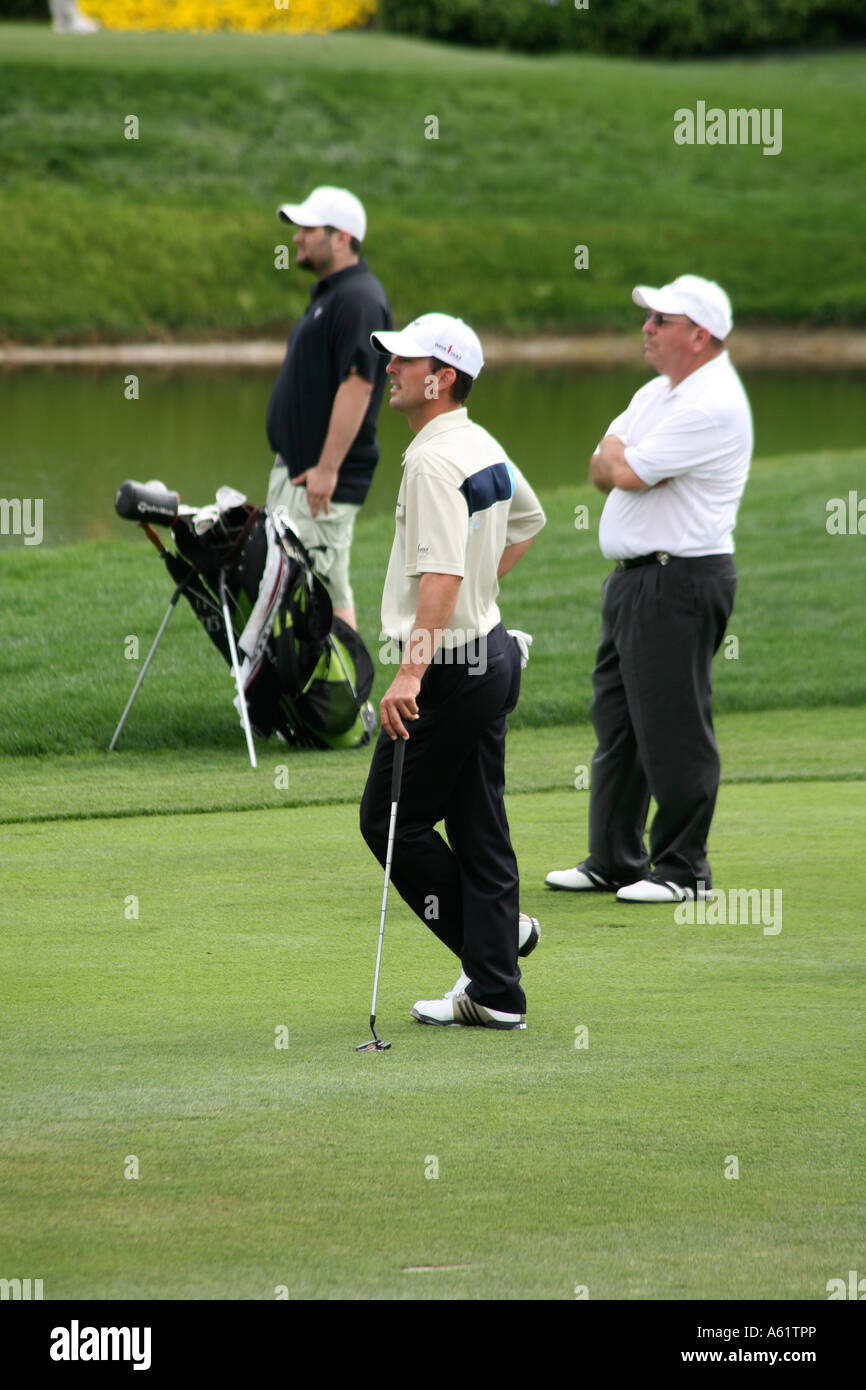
<point>321,420</point>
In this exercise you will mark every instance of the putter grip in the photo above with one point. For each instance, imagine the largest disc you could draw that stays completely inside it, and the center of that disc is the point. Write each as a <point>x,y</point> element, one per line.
<point>137,502</point>
<point>397,769</point>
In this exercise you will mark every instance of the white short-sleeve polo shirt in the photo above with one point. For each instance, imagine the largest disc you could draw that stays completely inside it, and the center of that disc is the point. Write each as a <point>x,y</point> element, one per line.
<point>699,436</point>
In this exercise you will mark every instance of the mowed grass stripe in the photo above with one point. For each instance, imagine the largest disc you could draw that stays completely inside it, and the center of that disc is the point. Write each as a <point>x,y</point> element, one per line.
<point>305,1166</point>
<point>68,614</point>
<point>827,745</point>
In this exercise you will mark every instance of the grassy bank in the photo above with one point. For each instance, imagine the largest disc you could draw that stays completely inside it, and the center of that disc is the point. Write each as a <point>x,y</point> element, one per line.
<point>174,232</point>
<point>68,612</point>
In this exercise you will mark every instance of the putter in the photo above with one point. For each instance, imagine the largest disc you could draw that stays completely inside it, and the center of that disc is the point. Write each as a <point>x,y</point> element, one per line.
<point>377,1045</point>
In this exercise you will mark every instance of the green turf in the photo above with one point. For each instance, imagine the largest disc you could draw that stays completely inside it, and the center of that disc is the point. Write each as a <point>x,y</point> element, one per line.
<point>175,232</point>
<point>67,613</point>
<point>165,910</point>
<point>304,1166</point>
<point>827,745</point>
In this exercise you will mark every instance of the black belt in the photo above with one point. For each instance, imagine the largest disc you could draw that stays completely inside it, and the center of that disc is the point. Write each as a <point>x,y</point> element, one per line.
<point>658,557</point>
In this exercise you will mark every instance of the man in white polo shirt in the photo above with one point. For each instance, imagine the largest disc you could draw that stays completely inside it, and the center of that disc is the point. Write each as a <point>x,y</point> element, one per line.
<point>465,516</point>
<point>674,466</point>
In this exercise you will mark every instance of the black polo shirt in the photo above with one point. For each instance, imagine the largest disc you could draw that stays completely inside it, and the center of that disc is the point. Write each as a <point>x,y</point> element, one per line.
<point>332,337</point>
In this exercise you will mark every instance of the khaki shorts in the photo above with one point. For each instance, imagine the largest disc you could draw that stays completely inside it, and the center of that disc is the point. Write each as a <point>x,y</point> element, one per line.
<point>328,538</point>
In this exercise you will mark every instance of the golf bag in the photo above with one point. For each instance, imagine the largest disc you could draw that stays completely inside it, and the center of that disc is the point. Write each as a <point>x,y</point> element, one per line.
<point>250,582</point>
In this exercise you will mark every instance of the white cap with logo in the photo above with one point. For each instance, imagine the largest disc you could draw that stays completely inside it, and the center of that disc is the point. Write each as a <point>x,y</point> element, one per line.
<point>328,207</point>
<point>435,335</point>
<point>701,300</point>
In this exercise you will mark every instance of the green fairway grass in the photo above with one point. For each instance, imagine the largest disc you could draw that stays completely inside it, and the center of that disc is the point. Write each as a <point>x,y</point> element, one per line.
<point>803,746</point>
<point>174,232</point>
<point>67,614</point>
<point>304,1166</point>
<point>168,915</point>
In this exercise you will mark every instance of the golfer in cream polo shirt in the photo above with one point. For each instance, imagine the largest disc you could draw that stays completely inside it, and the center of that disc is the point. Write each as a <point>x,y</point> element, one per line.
<point>465,516</point>
<point>674,465</point>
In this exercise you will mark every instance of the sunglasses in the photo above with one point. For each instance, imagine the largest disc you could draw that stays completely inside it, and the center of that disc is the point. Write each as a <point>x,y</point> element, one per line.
<point>659,319</point>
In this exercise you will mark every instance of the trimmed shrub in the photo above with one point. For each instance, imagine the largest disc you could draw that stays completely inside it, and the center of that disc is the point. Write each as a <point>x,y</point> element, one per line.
<point>675,28</point>
<point>24,9</point>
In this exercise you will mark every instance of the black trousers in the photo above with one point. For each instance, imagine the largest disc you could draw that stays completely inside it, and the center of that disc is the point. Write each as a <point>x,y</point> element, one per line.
<point>651,709</point>
<point>466,890</point>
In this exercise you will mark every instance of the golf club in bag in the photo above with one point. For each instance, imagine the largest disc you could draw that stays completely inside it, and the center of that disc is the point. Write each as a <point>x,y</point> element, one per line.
<point>298,670</point>
<point>377,1045</point>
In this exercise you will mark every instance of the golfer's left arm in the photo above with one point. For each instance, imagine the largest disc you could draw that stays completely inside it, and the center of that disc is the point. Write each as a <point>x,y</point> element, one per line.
<point>525,520</point>
<point>437,597</point>
<point>347,416</point>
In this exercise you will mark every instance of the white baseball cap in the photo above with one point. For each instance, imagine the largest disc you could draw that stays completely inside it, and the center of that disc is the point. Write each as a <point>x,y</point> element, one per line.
<point>328,207</point>
<point>435,335</point>
<point>701,300</point>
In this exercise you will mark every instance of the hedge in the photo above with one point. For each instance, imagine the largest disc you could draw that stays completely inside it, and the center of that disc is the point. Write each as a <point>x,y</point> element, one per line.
<point>24,9</point>
<point>652,28</point>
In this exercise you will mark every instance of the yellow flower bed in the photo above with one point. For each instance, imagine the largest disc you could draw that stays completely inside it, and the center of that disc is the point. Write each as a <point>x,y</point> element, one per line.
<point>248,16</point>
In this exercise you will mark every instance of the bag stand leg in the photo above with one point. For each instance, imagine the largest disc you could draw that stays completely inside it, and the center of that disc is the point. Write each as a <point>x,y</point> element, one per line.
<point>156,641</point>
<point>242,699</point>
<point>366,711</point>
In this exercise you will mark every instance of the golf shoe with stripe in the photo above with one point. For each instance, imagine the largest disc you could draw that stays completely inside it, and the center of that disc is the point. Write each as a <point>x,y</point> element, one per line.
<point>656,890</point>
<point>461,1010</point>
<point>579,880</point>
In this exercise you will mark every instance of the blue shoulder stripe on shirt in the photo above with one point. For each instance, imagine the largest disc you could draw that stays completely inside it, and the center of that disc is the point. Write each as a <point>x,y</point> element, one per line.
<point>488,486</point>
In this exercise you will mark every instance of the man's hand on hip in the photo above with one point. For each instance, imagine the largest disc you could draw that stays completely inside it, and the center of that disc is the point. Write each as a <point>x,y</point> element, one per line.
<point>347,416</point>
<point>321,483</point>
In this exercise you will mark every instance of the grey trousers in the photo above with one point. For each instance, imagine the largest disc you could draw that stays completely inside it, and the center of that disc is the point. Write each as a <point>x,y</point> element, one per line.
<point>651,709</point>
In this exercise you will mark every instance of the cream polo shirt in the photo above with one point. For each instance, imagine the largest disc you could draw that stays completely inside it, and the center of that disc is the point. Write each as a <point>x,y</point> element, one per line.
<point>461,502</point>
<point>700,436</point>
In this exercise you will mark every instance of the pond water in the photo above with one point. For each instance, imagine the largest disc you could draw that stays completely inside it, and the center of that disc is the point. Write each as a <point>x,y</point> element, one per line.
<point>70,437</point>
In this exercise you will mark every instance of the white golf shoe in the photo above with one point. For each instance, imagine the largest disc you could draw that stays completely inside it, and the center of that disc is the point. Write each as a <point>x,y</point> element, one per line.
<point>461,1010</point>
<point>529,935</point>
<point>579,880</point>
<point>651,890</point>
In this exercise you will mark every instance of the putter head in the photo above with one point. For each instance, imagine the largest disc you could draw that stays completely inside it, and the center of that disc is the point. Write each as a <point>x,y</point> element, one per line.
<point>374,1045</point>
